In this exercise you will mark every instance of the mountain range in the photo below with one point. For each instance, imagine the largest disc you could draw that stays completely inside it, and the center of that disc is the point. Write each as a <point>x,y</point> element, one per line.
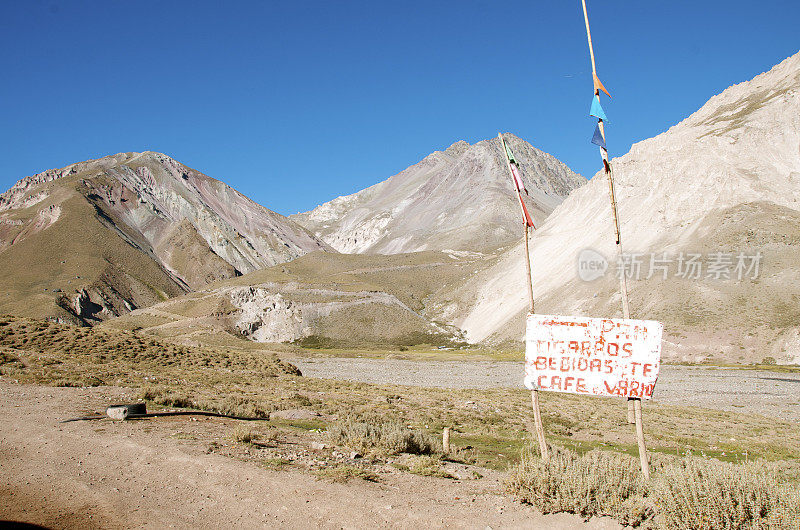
<point>434,254</point>
<point>99,238</point>
<point>459,199</point>
<point>725,180</point>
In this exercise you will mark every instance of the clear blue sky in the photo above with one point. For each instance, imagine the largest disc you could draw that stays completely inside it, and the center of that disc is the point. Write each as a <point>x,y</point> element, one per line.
<point>297,102</point>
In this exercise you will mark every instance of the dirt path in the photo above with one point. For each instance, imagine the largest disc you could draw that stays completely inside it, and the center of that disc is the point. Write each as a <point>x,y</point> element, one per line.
<point>138,474</point>
<point>752,391</point>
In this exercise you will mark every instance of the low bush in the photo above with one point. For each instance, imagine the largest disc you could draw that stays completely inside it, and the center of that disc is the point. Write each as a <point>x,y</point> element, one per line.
<point>243,434</point>
<point>380,435</point>
<point>705,493</point>
<point>345,473</point>
<point>687,492</point>
<point>597,483</point>
<point>428,466</point>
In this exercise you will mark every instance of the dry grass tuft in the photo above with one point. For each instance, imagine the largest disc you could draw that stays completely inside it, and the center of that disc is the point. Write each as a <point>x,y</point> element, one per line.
<point>428,466</point>
<point>243,434</point>
<point>378,435</point>
<point>345,473</point>
<point>98,347</point>
<point>683,492</point>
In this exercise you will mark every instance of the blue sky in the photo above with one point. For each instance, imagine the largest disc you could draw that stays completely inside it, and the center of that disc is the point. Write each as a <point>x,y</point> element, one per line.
<point>295,103</point>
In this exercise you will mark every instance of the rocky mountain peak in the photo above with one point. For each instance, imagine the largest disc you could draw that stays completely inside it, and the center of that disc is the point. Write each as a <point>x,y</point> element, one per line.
<point>460,198</point>
<point>187,228</point>
<point>457,148</point>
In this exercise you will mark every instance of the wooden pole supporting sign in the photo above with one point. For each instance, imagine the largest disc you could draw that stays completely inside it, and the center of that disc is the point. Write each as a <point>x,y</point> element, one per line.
<point>537,414</point>
<point>634,404</point>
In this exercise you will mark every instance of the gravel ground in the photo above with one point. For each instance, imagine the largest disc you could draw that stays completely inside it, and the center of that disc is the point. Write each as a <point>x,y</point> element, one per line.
<point>753,391</point>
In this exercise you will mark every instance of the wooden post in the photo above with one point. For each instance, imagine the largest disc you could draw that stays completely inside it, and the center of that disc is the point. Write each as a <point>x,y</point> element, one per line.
<point>537,419</point>
<point>634,404</point>
<point>643,460</point>
<point>446,440</point>
<point>537,413</point>
<point>528,267</point>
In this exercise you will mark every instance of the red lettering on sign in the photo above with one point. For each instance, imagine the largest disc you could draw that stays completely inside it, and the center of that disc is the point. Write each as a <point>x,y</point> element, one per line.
<point>541,363</point>
<point>609,366</point>
<point>565,364</point>
<point>634,364</point>
<point>628,348</point>
<point>595,365</point>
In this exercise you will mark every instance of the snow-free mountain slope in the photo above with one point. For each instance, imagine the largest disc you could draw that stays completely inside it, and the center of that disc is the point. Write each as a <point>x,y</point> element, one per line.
<point>460,198</point>
<point>726,179</point>
<point>98,238</point>
<point>320,299</point>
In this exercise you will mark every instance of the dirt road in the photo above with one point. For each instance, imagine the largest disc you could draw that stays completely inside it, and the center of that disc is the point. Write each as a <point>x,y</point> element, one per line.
<point>752,391</point>
<point>138,474</point>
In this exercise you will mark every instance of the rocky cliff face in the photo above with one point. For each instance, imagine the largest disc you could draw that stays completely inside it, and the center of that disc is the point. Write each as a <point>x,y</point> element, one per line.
<point>725,180</point>
<point>184,228</point>
<point>461,198</point>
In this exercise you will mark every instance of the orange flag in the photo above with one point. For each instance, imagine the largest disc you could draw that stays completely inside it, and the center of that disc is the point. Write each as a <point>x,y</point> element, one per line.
<point>598,85</point>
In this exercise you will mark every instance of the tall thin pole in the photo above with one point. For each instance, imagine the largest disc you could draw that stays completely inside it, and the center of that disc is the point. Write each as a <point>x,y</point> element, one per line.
<point>537,413</point>
<point>528,274</point>
<point>634,404</point>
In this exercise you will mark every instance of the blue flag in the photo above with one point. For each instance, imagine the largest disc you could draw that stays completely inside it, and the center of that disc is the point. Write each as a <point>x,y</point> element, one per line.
<point>597,110</point>
<point>598,139</point>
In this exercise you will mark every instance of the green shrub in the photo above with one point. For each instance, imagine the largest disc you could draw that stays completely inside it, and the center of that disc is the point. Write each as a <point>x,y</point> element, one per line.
<point>598,483</point>
<point>381,435</point>
<point>690,492</point>
<point>344,473</point>
<point>705,493</point>
<point>428,466</point>
<point>243,434</point>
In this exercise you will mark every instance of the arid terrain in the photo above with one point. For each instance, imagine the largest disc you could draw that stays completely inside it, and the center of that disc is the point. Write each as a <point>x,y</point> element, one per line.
<point>750,391</point>
<point>178,472</point>
<point>316,362</point>
<point>336,452</point>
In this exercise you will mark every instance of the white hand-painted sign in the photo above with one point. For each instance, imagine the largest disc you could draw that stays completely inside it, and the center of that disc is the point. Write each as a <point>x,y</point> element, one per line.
<point>595,356</point>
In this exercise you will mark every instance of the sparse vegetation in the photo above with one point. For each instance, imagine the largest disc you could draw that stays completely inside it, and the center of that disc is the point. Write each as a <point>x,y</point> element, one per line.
<point>275,463</point>
<point>243,434</point>
<point>345,473</point>
<point>8,357</point>
<point>488,427</point>
<point>684,492</point>
<point>369,435</point>
<point>428,466</point>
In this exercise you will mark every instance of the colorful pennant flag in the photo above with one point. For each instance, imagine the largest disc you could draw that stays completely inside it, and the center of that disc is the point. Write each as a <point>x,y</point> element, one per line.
<point>509,154</point>
<point>516,175</point>
<point>598,139</point>
<point>597,109</point>
<point>528,220</point>
<point>598,86</point>
<point>518,184</point>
